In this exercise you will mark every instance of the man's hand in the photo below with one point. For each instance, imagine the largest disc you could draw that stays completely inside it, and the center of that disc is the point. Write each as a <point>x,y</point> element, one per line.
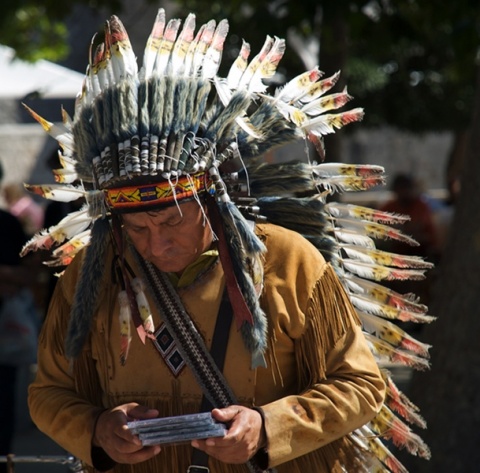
<point>113,436</point>
<point>245,435</point>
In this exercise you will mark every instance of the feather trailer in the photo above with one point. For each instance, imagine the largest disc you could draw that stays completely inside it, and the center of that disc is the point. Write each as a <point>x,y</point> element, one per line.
<point>267,68</point>
<point>166,47</point>
<point>391,427</point>
<point>393,334</point>
<point>153,44</point>
<point>202,47</point>
<point>123,60</point>
<point>180,49</point>
<point>296,88</point>
<point>317,89</point>
<point>254,64</point>
<point>59,132</point>
<point>60,193</point>
<point>328,123</point>
<point>369,440</point>
<point>324,104</point>
<point>378,272</point>
<point>326,170</point>
<point>239,66</point>
<point>386,353</point>
<point>375,230</point>
<point>355,238</point>
<point>67,228</point>
<point>383,294</point>
<point>349,183</point>
<point>373,256</point>
<point>64,254</point>
<point>124,318</point>
<point>213,55</point>
<point>387,311</point>
<point>340,210</point>
<point>398,402</point>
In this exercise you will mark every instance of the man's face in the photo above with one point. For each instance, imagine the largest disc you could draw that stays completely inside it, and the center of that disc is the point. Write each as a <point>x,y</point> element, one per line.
<point>171,238</point>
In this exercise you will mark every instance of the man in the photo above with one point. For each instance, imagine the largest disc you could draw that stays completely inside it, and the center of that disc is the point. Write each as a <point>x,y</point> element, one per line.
<point>160,149</point>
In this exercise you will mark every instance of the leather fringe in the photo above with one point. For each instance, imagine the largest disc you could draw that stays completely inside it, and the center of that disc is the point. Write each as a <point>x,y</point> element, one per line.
<point>334,316</point>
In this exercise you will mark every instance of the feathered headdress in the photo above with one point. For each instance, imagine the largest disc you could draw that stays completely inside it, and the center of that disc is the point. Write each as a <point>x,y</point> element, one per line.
<point>146,138</point>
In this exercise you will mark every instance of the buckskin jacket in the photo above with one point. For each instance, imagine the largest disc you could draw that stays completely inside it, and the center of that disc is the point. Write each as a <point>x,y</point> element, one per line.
<point>321,381</point>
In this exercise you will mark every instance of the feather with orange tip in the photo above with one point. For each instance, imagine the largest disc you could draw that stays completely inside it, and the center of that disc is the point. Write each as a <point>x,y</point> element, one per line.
<point>138,287</point>
<point>58,192</point>
<point>67,228</point>
<point>328,123</point>
<point>317,89</point>
<point>400,403</point>
<point>374,256</point>
<point>59,132</point>
<point>340,210</point>
<point>297,87</point>
<point>391,427</point>
<point>122,57</point>
<point>375,230</point>
<point>239,66</point>
<point>393,334</point>
<point>364,435</point>
<point>383,294</point>
<point>327,103</point>
<point>387,311</point>
<point>213,55</point>
<point>255,63</point>
<point>153,43</point>
<point>386,353</point>
<point>124,318</point>
<point>377,272</point>
<point>203,44</point>
<point>64,254</point>
<point>267,67</point>
<point>181,46</point>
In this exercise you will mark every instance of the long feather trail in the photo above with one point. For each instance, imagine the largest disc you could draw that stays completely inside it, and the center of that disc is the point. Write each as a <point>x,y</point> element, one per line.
<point>386,353</point>
<point>391,427</point>
<point>383,294</point>
<point>393,334</point>
<point>341,210</point>
<point>374,256</point>
<point>67,228</point>
<point>153,43</point>
<point>398,402</point>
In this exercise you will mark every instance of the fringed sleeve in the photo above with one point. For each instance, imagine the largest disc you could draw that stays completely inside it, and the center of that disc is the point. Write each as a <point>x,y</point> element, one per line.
<point>338,385</point>
<point>57,399</point>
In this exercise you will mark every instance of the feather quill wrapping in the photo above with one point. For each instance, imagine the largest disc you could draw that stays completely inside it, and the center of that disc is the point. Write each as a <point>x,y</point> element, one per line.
<point>88,288</point>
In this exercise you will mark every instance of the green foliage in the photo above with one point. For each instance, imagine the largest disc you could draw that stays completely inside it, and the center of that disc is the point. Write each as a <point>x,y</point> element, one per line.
<point>410,63</point>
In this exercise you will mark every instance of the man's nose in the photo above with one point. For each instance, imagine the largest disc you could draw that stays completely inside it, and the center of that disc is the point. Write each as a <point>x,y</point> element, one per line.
<point>159,243</point>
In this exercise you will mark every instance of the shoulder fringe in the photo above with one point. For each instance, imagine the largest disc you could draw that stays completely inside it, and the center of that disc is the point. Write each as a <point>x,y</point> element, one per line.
<point>336,317</point>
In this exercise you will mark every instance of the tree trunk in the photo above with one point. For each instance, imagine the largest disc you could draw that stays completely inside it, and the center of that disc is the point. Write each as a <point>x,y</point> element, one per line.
<point>449,394</point>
